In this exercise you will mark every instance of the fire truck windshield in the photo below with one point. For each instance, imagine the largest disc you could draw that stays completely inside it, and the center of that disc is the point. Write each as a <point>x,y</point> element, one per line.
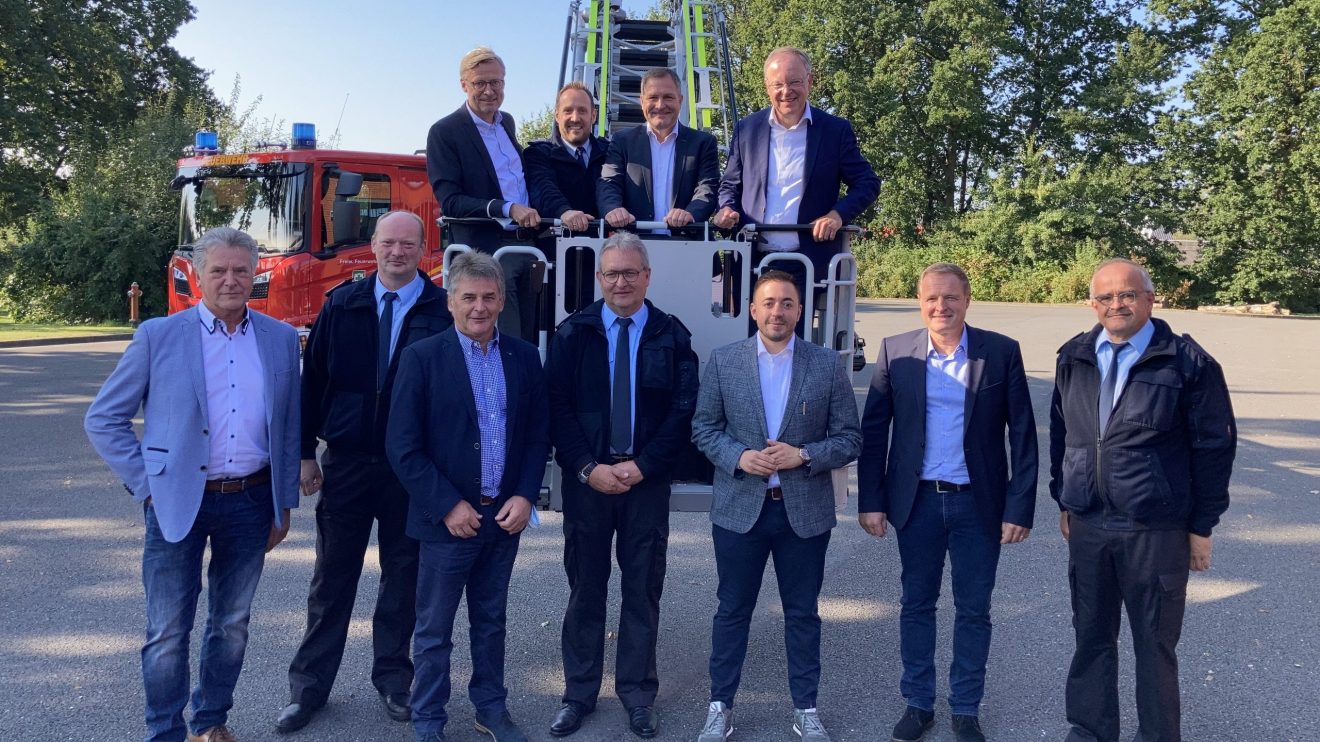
<point>265,200</point>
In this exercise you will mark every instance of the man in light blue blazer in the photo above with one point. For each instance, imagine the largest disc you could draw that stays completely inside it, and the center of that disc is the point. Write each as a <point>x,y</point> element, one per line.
<point>218,462</point>
<point>775,415</point>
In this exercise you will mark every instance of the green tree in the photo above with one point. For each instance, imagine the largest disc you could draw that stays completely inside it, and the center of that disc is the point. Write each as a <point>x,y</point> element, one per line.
<point>114,223</point>
<point>537,126</point>
<point>74,72</point>
<point>1245,154</point>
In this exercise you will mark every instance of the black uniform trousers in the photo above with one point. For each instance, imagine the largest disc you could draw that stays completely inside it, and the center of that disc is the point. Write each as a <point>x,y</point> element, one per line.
<point>640,518</point>
<point>1146,571</point>
<point>358,491</point>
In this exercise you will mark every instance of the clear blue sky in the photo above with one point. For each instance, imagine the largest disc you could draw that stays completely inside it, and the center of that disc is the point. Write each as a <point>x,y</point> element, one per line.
<point>397,60</point>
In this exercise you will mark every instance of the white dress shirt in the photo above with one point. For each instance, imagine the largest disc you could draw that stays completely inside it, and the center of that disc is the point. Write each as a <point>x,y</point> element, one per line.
<point>776,374</point>
<point>235,398</point>
<point>504,156</point>
<point>662,172</point>
<point>785,179</point>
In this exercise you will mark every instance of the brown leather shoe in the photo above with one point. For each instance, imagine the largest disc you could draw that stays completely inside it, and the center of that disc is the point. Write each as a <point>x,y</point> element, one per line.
<point>214,734</point>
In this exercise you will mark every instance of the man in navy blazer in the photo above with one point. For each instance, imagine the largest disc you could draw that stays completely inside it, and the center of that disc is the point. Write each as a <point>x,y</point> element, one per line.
<point>474,163</point>
<point>786,165</point>
<point>218,462</point>
<point>468,437</point>
<point>944,480</point>
<point>663,171</point>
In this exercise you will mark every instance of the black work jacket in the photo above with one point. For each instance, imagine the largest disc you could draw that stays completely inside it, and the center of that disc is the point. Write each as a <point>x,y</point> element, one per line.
<point>341,400</point>
<point>1165,459</point>
<point>578,371</point>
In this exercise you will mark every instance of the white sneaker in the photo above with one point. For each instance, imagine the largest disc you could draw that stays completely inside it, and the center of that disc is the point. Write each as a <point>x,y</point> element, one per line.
<point>719,723</point>
<point>807,724</point>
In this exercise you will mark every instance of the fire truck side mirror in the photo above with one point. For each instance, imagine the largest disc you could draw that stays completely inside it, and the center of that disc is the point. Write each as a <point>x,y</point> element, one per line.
<point>347,216</point>
<point>348,186</point>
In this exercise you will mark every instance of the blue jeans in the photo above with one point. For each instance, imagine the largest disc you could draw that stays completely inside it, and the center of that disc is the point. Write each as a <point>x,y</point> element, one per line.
<point>480,566</point>
<point>942,523</point>
<point>800,570</point>
<point>237,525</point>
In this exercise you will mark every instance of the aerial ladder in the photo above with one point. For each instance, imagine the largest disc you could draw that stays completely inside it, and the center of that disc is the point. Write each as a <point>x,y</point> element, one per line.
<point>609,53</point>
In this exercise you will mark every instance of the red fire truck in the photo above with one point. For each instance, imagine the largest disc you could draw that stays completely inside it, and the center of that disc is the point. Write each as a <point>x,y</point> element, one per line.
<point>311,211</point>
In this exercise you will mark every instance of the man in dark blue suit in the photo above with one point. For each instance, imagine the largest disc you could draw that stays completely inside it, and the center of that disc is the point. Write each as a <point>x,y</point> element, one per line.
<point>663,171</point>
<point>474,163</point>
<point>468,437</point>
<point>945,481</point>
<point>786,165</point>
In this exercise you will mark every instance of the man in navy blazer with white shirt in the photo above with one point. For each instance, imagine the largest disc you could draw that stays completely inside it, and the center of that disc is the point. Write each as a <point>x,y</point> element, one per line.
<point>474,163</point>
<point>943,478</point>
<point>786,165</point>
<point>218,462</point>
<point>663,171</point>
<point>468,437</point>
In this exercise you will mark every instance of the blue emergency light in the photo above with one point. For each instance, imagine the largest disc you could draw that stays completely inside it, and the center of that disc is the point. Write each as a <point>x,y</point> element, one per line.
<point>206,141</point>
<point>304,136</point>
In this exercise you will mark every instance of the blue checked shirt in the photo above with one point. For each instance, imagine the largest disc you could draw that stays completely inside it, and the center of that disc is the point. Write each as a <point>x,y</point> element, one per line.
<point>486,374</point>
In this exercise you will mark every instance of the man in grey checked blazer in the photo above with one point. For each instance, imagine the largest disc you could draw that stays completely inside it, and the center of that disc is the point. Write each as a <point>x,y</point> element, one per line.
<point>775,415</point>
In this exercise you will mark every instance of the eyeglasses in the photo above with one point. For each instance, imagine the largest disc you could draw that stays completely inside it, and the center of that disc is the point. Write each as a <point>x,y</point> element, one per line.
<point>484,84</point>
<point>613,277</point>
<point>779,87</point>
<point>1126,298</point>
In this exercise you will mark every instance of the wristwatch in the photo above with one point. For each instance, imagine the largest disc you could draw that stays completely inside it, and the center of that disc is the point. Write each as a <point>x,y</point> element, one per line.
<point>806,457</point>
<point>585,473</point>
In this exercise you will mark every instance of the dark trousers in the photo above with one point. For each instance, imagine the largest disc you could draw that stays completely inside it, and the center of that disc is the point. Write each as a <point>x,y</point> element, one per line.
<point>1147,572</point>
<point>946,524</point>
<point>480,567</point>
<point>640,517</point>
<point>800,570</point>
<point>359,491</point>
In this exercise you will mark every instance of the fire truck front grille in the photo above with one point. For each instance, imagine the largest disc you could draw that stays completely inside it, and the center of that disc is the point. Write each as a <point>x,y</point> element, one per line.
<point>260,290</point>
<point>181,287</point>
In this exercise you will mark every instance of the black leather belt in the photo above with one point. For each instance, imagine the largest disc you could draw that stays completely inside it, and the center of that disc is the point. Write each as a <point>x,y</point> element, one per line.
<point>774,493</point>
<point>944,487</point>
<point>230,486</point>
<point>620,458</point>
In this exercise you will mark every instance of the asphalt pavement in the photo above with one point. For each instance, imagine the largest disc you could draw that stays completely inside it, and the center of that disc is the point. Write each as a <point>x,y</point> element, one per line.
<point>71,598</point>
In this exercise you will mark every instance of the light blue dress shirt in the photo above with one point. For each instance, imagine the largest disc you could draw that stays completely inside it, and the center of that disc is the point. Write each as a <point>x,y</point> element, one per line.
<point>946,403</point>
<point>504,156</point>
<point>486,375</point>
<point>610,320</point>
<point>662,173</point>
<point>408,296</point>
<point>1127,357</point>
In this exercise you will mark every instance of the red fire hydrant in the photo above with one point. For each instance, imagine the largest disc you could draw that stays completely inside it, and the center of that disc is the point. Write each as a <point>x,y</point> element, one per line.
<point>133,294</point>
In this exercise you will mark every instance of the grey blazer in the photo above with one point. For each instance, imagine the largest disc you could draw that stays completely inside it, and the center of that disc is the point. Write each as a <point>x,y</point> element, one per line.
<point>821,416</point>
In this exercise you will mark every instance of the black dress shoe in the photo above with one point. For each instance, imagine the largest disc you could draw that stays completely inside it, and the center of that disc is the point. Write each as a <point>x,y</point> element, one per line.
<point>913,725</point>
<point>643,721</point>
<point>569,719</point>
<point>397,705</point>
<point>967,729</point>
<point>294,717</point>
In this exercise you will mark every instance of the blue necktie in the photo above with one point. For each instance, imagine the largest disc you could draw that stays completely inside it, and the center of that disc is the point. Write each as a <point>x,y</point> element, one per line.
<point>581,157</point>
<point>1109,388</point>
<point>386,330</point>
<point>621,432</point>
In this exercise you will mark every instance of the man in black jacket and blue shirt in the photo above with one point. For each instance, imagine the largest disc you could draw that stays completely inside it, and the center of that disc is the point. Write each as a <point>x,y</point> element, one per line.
<point>622,386</point>
<point>1142,440</point>
<point>348,374</point>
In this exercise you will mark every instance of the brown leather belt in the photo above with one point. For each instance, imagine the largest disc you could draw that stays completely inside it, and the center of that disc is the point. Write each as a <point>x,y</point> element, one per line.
<point>944,487</point>
<point>230,486</point>
<point>775,493</point>
<point>487,500</point>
